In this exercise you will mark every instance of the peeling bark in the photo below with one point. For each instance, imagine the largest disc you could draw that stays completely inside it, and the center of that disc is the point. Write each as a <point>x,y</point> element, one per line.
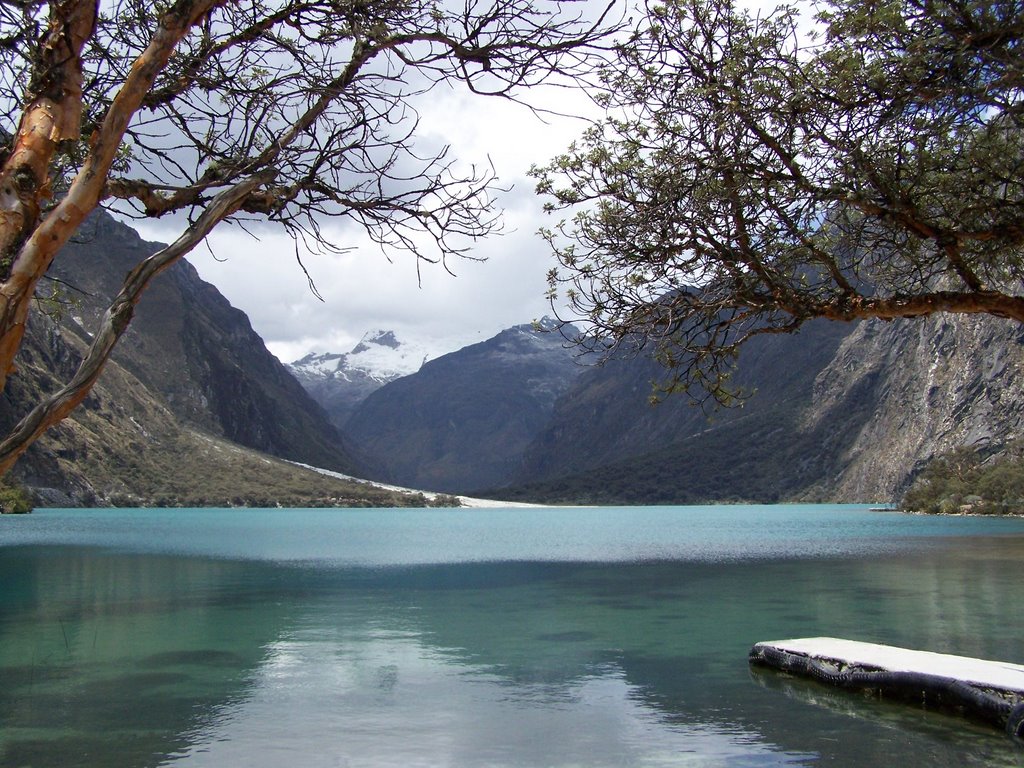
<point>52,115</point>
<point>34,150</point>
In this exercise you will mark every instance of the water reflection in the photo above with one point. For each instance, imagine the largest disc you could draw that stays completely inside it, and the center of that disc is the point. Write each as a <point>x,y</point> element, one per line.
<point>398,702</point>
<point>932,730</point>
<point>111,658</point>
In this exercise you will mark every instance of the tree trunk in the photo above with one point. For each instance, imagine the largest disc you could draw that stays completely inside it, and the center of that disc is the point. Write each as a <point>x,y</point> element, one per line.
<point>51,116</point>
<point>46,122</point>
<point>115,321</point>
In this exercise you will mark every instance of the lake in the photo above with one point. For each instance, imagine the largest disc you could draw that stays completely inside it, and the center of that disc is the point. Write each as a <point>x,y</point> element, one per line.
<point>486,637</point>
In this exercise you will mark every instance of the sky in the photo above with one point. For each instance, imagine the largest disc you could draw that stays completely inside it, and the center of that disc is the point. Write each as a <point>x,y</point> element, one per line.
<point>362,291</point>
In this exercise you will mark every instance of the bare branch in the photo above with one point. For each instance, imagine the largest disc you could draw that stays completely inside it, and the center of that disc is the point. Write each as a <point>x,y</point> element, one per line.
<point>292,111</point>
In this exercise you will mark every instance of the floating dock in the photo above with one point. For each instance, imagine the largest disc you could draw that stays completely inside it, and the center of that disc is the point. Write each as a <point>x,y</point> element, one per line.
<point>992,691</point>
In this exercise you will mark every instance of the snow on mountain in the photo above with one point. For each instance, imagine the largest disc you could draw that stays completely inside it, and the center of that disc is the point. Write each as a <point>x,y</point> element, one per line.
<point>465,419</point>
<point>318,365</point>
<point>379,355</point>
<point>340,381</point>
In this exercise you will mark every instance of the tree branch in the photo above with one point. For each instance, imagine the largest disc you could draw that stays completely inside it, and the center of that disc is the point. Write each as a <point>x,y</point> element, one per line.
<point>37,253</point>
<point>115,322</point>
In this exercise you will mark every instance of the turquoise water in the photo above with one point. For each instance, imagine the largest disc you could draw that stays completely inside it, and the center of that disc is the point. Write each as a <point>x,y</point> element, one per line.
<point>507,637</point>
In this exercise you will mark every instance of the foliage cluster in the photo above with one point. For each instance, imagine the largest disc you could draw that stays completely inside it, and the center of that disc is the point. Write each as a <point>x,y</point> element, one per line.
<point>965,481</point>
<point>444,500</point>
<point>748,177</point>
<point>14,500</point>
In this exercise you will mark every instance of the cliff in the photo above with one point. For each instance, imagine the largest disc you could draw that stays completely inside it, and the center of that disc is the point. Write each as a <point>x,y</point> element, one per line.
<point>838,413</point>
<point>923,388</point>
<point>190,410</point>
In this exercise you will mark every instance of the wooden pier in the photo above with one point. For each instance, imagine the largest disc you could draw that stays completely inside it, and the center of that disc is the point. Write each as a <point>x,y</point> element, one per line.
<point>992,691</point>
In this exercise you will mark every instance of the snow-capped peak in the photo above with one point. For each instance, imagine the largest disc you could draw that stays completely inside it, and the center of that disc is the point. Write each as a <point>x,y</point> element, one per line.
<point>547,324</point>
<point>318,364</point>
<point>380,338</point>
<point>379,355</point>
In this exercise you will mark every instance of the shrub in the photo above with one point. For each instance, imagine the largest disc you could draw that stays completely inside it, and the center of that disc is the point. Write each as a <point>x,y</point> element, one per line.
<point>964,479</point>
<point>14,500</point>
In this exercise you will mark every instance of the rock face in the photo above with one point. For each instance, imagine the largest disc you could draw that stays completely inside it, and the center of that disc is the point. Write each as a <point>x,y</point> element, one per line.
<point>200,354</point>
<point>462,421</point>
<point>606,443</point>
<point>339,382</point>
<point>924,387</point>
<point>835,413</point>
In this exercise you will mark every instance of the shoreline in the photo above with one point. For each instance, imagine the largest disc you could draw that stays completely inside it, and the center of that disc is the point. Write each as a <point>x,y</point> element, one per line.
<point>467,502</point>
<point>1014,515</point>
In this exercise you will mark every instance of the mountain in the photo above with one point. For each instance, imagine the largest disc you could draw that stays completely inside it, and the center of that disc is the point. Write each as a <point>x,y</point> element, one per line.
<point>340,381</point>
<point>200,354</point>
<point>462,421</point>
<point>191,408</point>
<point>606,442</point>
<point>839,413</point>
<point>923,388</point>
<point>836,412</point>
<point>123,446</point>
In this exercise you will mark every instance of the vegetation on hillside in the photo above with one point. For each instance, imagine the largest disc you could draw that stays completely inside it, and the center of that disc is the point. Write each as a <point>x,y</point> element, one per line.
<point>966,481</point>
<point>14,500</point>
<point>125,447</point>
<point>725,465</point>
<point>213,472</point>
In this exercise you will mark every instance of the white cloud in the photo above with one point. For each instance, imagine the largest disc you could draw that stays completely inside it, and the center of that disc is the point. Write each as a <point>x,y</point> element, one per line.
<point>362,290</point>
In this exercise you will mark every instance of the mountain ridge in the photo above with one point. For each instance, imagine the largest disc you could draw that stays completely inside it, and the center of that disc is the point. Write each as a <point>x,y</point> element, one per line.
<point>873,407</point>
<point>463,418</point>
<point>192,407</point>
<point>190,345</point>
<point>836,412</point>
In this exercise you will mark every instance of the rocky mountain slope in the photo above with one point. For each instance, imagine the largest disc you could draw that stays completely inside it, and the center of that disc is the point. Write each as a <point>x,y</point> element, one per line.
<point>608,414</point>
<point>200,354</point>
<point>184,409</point>
<point>840,413</point>
<point>193,407</point>
<point>923,388</point>
<point>463,420</point>
<point>341,381</point>
<point>606,443</point>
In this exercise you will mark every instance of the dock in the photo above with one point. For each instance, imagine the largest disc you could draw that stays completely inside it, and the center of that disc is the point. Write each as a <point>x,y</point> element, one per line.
<point>991,691</point>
